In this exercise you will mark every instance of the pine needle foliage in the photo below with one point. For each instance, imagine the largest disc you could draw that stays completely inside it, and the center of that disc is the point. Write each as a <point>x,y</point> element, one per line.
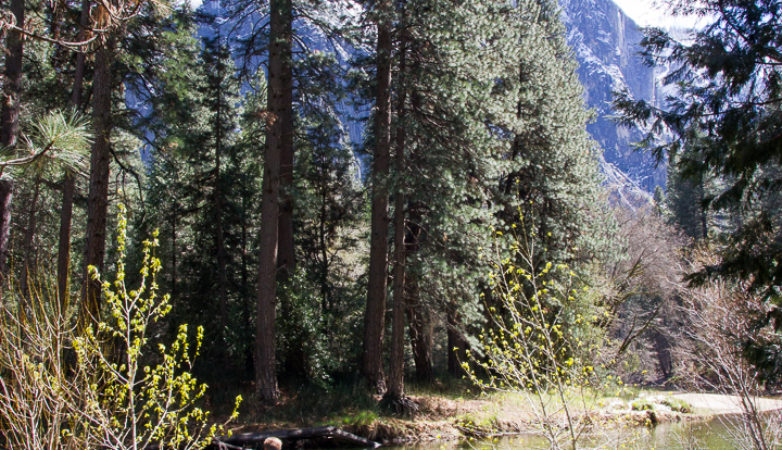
<point>57,138</point>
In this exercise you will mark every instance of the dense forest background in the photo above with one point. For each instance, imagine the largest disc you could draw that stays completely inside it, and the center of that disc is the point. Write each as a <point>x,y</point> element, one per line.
<point>335,183</point>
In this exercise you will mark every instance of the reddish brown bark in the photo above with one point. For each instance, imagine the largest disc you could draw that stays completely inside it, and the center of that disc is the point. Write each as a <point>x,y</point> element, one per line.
<point>9,123</point>
<point>64,242</point>
<point>98,198</point>
<point>6,197</point>
<point>396,373</point>
<point>374,316</point>
<point>396,376</point>
<point>78,74</point>
<point>12,82</point>
<point>294,359</point>
<point>265,349</point>
<point>69,181</point>
<point>286,256</point>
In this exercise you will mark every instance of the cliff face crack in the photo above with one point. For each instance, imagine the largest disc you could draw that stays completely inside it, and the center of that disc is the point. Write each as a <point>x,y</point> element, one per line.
<point>606,44</point>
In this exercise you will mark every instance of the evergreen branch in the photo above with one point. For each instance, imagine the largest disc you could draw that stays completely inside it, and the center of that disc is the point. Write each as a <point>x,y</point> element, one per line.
<point>74,45</point>
<point>26,159</point>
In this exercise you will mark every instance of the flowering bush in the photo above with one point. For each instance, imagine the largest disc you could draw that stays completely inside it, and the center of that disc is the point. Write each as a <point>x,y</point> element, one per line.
<point>109,399</point>
<point>541,337</point>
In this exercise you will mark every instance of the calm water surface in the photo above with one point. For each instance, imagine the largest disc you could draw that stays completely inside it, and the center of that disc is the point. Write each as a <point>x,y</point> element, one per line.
<point>711,435</point>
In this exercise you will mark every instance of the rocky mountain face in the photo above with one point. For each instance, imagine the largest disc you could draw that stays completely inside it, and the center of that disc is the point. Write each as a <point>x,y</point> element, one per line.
<point>605,42</point>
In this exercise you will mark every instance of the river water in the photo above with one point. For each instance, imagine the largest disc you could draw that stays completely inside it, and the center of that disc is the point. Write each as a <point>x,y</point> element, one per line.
<point>715,434</point>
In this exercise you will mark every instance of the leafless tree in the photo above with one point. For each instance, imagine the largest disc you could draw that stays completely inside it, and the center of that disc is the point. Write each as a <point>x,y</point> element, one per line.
<point>721,318</point>
<point>641,287</point>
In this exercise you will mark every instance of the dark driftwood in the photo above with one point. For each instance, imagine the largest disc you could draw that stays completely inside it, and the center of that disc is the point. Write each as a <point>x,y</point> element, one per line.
<point>319,435</point>
<point>215,445</point>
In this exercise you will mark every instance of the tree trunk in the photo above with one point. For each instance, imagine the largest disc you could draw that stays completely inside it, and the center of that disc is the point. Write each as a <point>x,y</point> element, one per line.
<point>246,296</point>
<point>419,319</point>
<point>323,220</point>
<point>662,347</point>
<point>457,345</point>
<point>374,316</point>
<point>12,84</point>
<point>421,333</point>
<point>30,261</point>
<point>396,375</point>
<point>78,74</point>
<point>294,359</point>
<point>286,257</point>
<point>222,259</point>
<point>98,198</point>
<point>6,196</point>
<point>265,351</point>
<point>9,124</point>
<point>69,181</point>
<point>64,243</point>
<point>703,208</point>
<point>174,225</point>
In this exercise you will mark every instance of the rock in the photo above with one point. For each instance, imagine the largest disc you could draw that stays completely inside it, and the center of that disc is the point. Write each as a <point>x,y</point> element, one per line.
<point>272,443</point>
<point>606,44</point>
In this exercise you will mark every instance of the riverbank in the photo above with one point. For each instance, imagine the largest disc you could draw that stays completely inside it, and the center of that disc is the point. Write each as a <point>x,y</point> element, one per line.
<point>457,415</point>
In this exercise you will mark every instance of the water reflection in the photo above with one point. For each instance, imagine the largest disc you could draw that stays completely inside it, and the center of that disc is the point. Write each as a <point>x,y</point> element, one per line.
<point>686,436</point>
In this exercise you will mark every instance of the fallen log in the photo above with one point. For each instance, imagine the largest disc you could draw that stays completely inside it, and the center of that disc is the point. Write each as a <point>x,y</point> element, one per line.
<point>321,436</point>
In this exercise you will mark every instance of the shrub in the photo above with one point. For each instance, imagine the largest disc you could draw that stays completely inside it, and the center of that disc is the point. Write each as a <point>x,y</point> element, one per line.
<point>103,400</point>
<point>36,396</point>
<point>541,338</point>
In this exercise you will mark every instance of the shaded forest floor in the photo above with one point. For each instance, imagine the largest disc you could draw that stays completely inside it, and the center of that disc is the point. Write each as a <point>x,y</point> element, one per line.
<point>458,412</point>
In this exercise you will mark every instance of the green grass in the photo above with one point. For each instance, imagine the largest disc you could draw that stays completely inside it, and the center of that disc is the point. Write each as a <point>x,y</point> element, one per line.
<point>447,386</point>
<point>359,418</point>
<point>628,393</point>
<point>476,424</point>
<point>678,405</point>
<point>344,403</point>
<point>642,405</point>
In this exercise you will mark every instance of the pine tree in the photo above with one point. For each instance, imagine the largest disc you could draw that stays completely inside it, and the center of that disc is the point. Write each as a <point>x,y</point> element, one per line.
<point>686,201</point>
<point>9,123</point>
<point>177,122</point>
<point>98,199</point>
<point>534,158</point>
<point>279,138</point>
<point>12,85</point>
<point>285,48</point>
<point>396,381</point>
<point>116,53</point>
<point>725,118</point>
<point>207,267</point>
<point>49,58</point>
<point>204,188</point>
<point>374,316</point>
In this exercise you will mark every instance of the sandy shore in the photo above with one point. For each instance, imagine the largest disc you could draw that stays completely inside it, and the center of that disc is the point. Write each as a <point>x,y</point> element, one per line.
<point>725,404</point>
